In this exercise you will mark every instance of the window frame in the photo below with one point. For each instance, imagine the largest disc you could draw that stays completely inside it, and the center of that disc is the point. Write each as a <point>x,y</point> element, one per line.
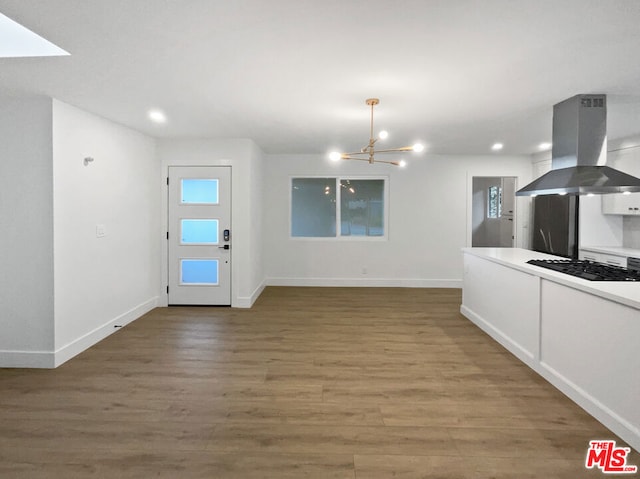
<point>338,236</point>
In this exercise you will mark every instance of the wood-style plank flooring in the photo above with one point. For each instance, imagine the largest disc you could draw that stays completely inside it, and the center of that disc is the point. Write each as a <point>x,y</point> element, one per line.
<point>310,383</point>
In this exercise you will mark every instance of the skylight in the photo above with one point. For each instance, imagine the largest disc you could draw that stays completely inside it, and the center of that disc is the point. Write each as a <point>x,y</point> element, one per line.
<point>18,41</point>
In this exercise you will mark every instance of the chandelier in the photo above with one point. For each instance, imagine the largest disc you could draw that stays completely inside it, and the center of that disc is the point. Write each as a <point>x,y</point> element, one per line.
<point>367,153</point>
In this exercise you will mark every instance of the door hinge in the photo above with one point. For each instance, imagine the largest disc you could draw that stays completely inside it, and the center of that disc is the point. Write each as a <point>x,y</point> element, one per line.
<point>167,180</point>
<point>167,289</point>
<point>167,235</point>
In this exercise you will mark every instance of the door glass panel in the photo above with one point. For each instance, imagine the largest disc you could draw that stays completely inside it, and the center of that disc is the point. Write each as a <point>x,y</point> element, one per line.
<point>199,231</point>
<point>199,271</point>
<point>199,191</point>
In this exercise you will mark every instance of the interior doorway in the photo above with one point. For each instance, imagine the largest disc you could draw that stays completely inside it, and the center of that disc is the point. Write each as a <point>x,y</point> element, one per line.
<point>493,211</point>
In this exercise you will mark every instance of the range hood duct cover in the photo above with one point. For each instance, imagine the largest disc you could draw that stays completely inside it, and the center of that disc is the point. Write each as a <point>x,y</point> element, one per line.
<point>579,153</point>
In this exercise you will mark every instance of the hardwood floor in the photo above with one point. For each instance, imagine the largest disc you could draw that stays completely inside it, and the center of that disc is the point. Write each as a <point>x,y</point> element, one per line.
<point>311,382</point>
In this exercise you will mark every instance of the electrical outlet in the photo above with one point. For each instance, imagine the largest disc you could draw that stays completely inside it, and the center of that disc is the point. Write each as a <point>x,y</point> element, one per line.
<point>101,230</point>
<point>364,270</point>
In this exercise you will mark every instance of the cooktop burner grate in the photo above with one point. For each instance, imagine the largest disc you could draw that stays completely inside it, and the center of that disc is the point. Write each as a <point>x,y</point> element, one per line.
<point>588,270</point>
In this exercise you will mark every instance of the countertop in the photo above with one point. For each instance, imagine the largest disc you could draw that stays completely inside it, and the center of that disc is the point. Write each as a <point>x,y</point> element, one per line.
<point>627,293</point>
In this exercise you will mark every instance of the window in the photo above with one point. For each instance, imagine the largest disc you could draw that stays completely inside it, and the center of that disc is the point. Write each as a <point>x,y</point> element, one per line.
<point>494,206</point>
<point>362,207</point>
<point>338,207</point>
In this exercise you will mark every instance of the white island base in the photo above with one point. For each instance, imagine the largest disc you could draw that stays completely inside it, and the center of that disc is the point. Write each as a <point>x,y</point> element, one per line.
<point>581,336</point>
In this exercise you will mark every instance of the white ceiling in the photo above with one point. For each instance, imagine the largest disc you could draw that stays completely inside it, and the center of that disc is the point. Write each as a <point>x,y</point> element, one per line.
<point>293,75</point>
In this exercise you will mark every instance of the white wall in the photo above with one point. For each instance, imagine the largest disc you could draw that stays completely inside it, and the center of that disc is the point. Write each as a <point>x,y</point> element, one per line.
<point>595,228</point>
<point>112,280</point>
<point>429,222</point>
<point>26,226</point>
<point>245,159</point>
<point>255,282</point>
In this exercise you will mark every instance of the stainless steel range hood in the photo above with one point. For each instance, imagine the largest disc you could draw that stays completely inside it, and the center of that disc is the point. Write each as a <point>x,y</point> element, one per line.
<point>579,153</point>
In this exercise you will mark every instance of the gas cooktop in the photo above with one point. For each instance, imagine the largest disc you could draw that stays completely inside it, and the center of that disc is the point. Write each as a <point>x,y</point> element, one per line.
<point>589,270</point>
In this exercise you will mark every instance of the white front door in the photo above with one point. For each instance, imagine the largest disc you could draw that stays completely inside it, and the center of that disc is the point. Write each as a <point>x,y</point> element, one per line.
<point>200,235</point>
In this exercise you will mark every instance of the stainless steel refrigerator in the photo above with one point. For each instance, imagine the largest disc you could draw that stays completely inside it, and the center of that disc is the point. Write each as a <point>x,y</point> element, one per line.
<point>555,225</point>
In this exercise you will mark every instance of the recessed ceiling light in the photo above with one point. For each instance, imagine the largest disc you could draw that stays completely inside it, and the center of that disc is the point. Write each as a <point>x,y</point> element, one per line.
<point>544,146</point>
<point>497,146</point>
<point>626,192</point>
<point>157,116</point>
<point>18,41</point>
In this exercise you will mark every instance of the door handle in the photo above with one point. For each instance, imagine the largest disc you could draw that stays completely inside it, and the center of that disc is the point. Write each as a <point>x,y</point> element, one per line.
<point>224,247</point>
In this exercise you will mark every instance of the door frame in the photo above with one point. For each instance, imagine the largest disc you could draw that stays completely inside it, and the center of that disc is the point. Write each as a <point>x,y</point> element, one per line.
<point>519,221</point>
<point>164,206</point>
<point>171,236</point>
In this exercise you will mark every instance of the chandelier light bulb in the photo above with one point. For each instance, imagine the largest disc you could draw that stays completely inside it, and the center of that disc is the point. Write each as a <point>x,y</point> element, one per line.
<point>402,163</point>
<point>335,156</point>
<point>418,147</point>
<point>383,135</point>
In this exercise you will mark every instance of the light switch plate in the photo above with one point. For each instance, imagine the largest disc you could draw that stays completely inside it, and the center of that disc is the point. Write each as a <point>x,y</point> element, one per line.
<point>101,230</point>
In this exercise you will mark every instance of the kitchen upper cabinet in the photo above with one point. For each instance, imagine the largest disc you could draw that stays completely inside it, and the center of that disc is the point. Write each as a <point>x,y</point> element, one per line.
<point>619,203</point>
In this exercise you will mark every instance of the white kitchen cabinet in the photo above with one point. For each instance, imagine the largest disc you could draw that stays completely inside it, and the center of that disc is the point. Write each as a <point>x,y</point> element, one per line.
<point>579,335</point>
<point>614,260</point>
<point>627,161</point>
<point>589,256</point>
<point>606,258</point>
<point>621,204</point>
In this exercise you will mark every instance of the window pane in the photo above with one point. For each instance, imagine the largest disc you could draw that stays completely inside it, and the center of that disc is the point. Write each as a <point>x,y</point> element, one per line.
<point>362,207</point>
<point>313,207</point>
<point>493,206</point>
<point>199,271</point>
<point>199,191</point>
<point>199,231</point>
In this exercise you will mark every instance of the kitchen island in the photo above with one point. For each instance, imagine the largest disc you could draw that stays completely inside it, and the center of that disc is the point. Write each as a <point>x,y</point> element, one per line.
<point>581,336</point>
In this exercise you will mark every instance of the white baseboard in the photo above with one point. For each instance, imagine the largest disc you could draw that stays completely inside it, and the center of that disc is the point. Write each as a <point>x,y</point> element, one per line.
<point>514,348</point>
<point>53,359</point>
<point>27,359</point>
<point>98,334</point>
<point>366,282</point>
<point>247,301</point>
<point>606,416</point>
